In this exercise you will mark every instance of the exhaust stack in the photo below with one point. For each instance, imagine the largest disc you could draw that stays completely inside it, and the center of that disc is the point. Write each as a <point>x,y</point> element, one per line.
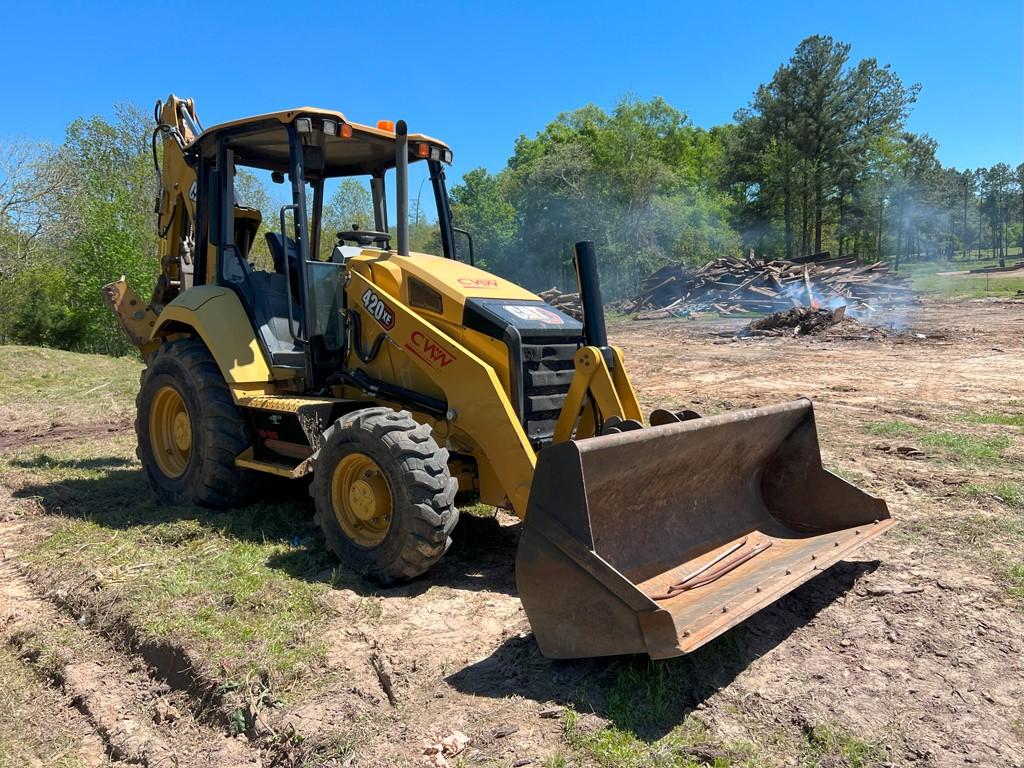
<point>594,329</point>
<point>402,186</point>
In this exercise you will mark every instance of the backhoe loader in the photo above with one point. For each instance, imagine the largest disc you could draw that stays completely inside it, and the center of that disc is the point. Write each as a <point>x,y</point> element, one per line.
<point>398,380</point>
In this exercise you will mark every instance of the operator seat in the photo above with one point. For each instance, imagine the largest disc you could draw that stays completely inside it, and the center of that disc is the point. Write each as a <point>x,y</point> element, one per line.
<point>285,251</point>
<point>270,303</point>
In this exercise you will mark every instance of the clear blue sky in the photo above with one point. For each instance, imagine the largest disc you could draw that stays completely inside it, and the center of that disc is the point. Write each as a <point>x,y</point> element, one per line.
<point>480,74</point>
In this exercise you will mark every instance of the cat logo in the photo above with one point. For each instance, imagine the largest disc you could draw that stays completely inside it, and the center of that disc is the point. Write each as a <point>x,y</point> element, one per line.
<point>429,351</point>
<point>378,310</point>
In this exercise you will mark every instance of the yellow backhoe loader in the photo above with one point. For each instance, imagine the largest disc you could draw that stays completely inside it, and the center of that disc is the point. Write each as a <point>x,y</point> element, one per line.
<point>399,379</point>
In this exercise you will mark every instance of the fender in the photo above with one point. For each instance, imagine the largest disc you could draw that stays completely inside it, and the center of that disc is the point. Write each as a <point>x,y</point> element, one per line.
<point>217,316</point>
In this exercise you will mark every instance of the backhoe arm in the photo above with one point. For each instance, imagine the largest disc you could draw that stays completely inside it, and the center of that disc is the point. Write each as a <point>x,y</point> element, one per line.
<point>178,127</point>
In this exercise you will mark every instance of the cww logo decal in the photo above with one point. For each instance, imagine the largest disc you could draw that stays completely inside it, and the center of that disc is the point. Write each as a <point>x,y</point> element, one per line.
<point>429,351</point>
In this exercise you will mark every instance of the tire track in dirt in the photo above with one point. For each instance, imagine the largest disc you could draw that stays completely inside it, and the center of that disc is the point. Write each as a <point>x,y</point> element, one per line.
<point>139,719</point>
<point>57,433</point>
<point>392,653</point>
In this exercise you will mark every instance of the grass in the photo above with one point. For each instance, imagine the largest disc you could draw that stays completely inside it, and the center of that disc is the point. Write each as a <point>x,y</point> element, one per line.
<point>1015,577</point>
<point>244,588</point>
<point>953,446</point>
<point>29,733</point>
<point>102,388</point>
<point>690,745</point>
<point>969,287</point>
<point>924,278</point>
<point>651,721</point>
<point>50,648</point>
<point>1003,419</point>
<point>994,539</point>
<point>1010,494</point>
<point>613,747</point>
<point>828,747</point>
<point>967,449</point>
<point>895,428</point>
<point>240,588</point>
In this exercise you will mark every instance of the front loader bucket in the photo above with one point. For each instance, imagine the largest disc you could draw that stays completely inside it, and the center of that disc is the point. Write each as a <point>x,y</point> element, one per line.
<point>657,540</point>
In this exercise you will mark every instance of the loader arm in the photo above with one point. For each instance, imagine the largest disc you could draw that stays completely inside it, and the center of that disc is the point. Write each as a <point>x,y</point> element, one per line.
<point>478,408</point>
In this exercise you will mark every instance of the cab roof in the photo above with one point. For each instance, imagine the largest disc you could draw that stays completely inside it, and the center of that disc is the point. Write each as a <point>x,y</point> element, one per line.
<point>262,142</point>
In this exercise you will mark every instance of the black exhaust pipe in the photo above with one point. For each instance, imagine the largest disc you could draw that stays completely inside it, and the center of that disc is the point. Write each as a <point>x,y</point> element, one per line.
<point>594,331</point>
<point>402,186</point>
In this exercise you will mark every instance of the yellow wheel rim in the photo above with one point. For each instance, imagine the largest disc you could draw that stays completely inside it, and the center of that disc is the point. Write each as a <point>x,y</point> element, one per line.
<point>170,432</point>
<point>361,499</point>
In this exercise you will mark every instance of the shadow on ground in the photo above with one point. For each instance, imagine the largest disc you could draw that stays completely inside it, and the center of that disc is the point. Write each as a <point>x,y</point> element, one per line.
<point>481,557</point>
<point>650,698</point>
<point>646,698</point>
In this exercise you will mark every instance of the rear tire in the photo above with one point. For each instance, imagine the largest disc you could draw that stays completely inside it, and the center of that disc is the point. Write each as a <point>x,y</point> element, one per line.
<point>189,429</point>
<point>397,524</point>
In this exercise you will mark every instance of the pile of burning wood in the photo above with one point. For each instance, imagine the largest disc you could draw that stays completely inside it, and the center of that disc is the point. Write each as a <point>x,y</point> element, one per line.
<point>567,302</point>
<point>795,321</point>
<point>752,284</point>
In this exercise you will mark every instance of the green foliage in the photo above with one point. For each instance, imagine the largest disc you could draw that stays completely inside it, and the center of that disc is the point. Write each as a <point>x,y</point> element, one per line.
<point>480,204</point>
<point>106,229</point>
<point>350,205</point>
<point>812,145</point>
<point>819,159</point>
<point>37,306</point>
<point>828,747</point>
<point>251,193</point>
<point>1015,576</point>
<point>638,181</point>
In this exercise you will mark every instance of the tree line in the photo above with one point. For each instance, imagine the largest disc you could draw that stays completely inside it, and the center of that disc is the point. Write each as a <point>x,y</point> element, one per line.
<point>819,159</point>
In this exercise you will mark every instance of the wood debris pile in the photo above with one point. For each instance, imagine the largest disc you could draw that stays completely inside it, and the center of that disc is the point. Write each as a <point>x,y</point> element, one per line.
<point>566,302</point>
<point>795,321</point>
<point>754,284</point>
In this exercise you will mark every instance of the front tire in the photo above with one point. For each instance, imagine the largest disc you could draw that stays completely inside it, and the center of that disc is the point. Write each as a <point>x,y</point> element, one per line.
<point>189,429</point>
<point>384,496</point>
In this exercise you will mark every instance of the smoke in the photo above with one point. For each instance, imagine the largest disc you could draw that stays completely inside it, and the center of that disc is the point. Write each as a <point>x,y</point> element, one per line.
<point>895,316</point>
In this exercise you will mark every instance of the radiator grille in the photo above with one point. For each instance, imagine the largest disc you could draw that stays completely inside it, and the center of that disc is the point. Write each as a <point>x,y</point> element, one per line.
<point>547,372</point>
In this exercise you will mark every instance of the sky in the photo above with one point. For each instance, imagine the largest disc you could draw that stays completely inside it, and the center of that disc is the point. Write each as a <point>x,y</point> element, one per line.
<point>478,75</point>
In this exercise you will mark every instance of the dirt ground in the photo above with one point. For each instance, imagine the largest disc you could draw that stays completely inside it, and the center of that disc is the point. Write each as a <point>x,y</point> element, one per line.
<point>911,653</point>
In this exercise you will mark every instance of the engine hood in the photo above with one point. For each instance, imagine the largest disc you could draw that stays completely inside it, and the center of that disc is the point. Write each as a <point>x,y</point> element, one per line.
<point>458,281</point>
<point>457,296</point>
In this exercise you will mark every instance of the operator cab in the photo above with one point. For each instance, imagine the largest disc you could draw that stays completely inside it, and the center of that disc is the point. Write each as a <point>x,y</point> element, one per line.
<point>295,297</point>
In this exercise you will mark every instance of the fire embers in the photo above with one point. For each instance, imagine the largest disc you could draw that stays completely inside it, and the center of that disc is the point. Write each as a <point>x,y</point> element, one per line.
<point>798,321</point>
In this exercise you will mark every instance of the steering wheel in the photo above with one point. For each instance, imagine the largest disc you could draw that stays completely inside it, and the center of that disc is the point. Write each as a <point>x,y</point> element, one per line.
<point>364,236</point>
